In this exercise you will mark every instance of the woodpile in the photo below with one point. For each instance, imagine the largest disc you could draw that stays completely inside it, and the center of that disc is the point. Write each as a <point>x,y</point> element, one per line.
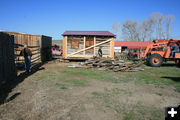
<point>114,65</point>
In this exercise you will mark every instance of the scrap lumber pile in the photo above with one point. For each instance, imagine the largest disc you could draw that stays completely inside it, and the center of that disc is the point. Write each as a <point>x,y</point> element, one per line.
<point>114,65</point>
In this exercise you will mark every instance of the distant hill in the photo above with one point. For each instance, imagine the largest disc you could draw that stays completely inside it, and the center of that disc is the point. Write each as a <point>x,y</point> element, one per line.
<point>58,42</point>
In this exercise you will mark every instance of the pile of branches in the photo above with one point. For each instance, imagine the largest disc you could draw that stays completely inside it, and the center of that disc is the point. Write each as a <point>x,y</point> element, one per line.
<point>114,65</point>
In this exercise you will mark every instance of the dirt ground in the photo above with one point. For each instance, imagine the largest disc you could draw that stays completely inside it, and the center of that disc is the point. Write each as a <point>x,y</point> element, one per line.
<point>60,93</point>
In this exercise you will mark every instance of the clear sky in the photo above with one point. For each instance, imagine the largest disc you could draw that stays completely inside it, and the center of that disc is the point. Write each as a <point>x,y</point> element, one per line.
<point>53,17</point>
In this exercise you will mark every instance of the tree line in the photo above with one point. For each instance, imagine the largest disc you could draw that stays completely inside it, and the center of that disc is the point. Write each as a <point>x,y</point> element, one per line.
<point>157,26</point>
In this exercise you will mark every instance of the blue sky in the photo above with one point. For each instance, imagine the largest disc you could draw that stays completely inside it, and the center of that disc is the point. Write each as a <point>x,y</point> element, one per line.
<point>53,17</point>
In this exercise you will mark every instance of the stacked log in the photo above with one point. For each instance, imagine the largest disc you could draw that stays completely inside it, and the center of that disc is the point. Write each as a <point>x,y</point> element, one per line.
<point>114,65</point>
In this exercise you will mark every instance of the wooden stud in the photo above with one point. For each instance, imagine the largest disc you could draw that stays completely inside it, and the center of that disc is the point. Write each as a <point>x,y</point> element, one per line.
<point>94,44</point>
<point>112,48</point>
<point>64,46</point>
<point>84,52</point>
<point>86,56</point>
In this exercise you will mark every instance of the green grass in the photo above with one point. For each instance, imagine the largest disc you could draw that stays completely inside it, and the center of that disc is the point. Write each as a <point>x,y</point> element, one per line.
<point>140,112</point>
<point>62,86</point>
<point>129,111</point>
<point>63,79</point>
<point>112,98</point>
<point>158,76</point>
<point>82,73</point>
<point>162,77</point>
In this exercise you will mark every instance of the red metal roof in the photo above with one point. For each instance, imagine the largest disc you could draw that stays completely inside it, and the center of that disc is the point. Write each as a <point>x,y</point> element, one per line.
<point>161,40</point>
<point>91,33</point>
<point>132,44</point>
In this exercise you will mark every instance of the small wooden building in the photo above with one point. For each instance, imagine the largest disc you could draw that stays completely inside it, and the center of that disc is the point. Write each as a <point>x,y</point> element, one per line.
<point>85,44</point>
<point>40,46</point>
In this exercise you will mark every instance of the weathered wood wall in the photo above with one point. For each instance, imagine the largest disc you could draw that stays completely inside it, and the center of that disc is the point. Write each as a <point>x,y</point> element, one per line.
<point>105,47</point>
<point>71,45</point>
<point>39,45</point>
<point>7,63</point>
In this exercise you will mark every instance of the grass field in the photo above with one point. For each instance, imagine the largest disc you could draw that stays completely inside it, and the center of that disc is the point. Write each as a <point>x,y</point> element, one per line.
<point>59,92</point>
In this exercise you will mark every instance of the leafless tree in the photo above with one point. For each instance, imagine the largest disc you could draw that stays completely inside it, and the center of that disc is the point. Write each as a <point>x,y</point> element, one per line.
<point>157,26</point>
<point>158,21</point>
<point>130,30</point>
<point>169,20</point>
<point>116,28</point>
<point>145,30</point>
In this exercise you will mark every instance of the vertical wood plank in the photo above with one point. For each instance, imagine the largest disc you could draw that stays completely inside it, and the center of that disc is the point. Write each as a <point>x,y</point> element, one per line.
<point>112,48</point>
<point>64,46</point>
<point>94,44</point>
<point>84,45</point>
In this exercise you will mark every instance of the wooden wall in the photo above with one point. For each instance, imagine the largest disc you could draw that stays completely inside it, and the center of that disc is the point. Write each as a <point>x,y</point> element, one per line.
<point>45,45</point>
<point>73,44</point>
<point>105,47</point>
<point>7,63</point>
<point>39,45</point>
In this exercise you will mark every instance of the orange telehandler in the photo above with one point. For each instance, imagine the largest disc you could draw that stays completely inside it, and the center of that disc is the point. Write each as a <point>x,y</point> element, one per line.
<point>159,52</point>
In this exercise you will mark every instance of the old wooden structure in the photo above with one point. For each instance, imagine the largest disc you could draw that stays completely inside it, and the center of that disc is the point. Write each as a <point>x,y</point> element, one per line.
<point>7,63</point>
<point>85,44</point>
<point>40,46</point>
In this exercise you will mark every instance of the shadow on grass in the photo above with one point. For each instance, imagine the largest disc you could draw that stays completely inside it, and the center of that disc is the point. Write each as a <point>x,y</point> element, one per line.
<point>168,65</point>
<point>6,88</point>
<point>176,79</point>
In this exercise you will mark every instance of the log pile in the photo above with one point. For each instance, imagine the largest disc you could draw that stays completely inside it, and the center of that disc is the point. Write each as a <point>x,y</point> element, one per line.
<point>114,65</point>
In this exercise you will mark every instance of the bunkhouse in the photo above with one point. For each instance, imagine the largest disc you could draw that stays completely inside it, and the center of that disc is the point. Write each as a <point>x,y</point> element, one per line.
<point>85,44</point>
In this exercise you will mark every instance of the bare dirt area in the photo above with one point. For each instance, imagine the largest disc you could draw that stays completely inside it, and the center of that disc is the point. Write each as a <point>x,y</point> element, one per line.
<point>60,93</point>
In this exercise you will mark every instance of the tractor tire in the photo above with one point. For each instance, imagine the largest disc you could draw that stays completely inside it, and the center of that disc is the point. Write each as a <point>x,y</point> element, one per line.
<point>155,60</point>
<point>147,59</point>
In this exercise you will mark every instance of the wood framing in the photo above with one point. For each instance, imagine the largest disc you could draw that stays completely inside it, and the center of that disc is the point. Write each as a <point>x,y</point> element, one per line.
<point>112,48</point>
<point>89,43</point>
<point>84,52</point>
<point>65,46</point>
<point>94,47</point>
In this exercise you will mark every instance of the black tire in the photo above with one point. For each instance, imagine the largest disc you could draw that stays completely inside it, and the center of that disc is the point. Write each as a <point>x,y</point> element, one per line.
<point>155,60</point>
<point>148,58</point>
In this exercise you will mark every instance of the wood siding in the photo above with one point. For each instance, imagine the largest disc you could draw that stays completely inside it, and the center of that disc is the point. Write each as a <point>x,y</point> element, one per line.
<point>39,45</point>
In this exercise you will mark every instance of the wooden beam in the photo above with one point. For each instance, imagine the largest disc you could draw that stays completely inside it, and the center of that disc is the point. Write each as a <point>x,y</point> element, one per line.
<point>87,56</point>
<point>64,46</point>
<point>112,48</point>
<point>94,44</point>
<point>84,52</point>
<point>90,47</point>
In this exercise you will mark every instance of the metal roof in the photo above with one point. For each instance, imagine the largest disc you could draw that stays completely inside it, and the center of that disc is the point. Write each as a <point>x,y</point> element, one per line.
<point>88,33</point>
<point>132,44</point>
